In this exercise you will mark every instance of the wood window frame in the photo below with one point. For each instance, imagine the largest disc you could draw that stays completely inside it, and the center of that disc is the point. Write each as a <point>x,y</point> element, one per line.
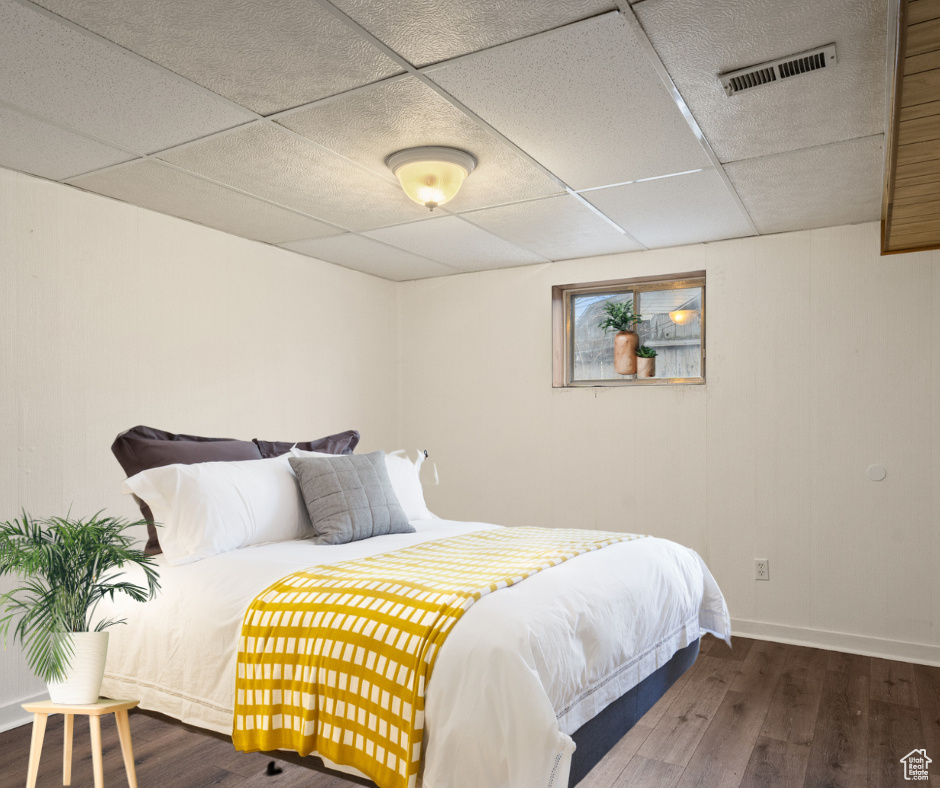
<point>563,326</point>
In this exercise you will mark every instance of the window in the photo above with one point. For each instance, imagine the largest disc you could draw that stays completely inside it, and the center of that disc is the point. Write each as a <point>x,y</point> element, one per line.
<point>668,321</point>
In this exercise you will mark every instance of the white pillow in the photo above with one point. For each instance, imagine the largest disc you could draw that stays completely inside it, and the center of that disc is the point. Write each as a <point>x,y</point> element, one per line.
<point>406,482</point>
<point>213,507</point>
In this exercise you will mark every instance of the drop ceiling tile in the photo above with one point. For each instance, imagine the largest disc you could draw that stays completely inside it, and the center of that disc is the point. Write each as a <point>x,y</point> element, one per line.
<point>699,39</point>
<point>405,113</point>
<point>281,167</point>
<point>426,31</point>
<point>816,187</point>
<point>685,209</point>
<point>558,228</point>
<point>159,187</point>
<point>583,101</point>
<point>452,241</point>
<point>74,79</point>
<point>371,257</point>
<point>39,148</point>
<point>266,56</point>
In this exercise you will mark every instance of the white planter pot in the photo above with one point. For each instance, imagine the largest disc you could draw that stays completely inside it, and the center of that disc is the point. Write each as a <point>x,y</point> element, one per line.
<point>83,676</point>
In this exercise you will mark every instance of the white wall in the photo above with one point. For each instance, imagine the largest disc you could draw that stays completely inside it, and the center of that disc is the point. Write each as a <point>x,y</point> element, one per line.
<point>823,358</point>
<point>112,316</point>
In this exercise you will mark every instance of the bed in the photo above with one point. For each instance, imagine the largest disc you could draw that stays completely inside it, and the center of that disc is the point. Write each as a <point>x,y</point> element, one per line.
<point>531,688</point>
<point>534,684</point>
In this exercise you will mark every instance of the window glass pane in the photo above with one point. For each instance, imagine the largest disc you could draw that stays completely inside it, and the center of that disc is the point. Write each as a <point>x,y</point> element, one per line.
<point>592,350</point>
<point>672,326</point>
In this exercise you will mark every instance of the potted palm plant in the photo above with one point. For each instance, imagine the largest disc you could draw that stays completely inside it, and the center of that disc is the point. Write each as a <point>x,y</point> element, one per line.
<point>621,318</point>
<point>66,567</point>
<point>645,362</point>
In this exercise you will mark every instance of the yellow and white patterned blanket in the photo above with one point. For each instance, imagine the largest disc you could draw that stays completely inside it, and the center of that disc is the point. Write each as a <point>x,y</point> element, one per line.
<point>335,659</point>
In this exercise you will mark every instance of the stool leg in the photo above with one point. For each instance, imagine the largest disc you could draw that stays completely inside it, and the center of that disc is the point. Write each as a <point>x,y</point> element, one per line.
<point>35,748</point>
<point>67,750</point>
<point>94,722</point>
<point>124,734</point>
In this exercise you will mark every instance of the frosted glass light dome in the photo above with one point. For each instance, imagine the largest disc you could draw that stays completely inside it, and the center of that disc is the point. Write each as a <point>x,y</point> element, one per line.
<point>431,176</point>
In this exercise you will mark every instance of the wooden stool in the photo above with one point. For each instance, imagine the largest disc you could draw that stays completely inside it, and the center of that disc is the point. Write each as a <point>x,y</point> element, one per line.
<point>43,709</point>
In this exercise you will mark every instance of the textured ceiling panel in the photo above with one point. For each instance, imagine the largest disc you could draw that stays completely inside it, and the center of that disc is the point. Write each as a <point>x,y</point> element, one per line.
<point>404,114</point>
<point>584,101</point>
<point>39,148</point>
<point>164,189</point>
<point>699,39</point>
<point>426,31</point>
<point>819,187</point>
<point>285,169</point>
<point>88,85</point>
<point>266,56</point>
<point>685,209</point>
<point>452,241</point>
<point>558,228</point>
<point>371,257</point>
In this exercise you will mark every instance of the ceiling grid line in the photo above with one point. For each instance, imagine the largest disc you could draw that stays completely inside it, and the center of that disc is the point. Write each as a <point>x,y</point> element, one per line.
<point>638,180</point>
<point>271,120</point>
<point>153,157</point>
<point>69,24</point>
<point>558,98</point>
<point>361,234</point>
<point>190,83</point>
<point>633,22</point>
<point>71,130</point>
<point>500,238</point>
<point>428,82</point>
<point>821,146</point>
<point>326,100</point>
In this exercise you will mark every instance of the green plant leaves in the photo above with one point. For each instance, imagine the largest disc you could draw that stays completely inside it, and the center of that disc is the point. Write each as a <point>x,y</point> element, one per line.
<point>67,565</point>
<point>620,317</point>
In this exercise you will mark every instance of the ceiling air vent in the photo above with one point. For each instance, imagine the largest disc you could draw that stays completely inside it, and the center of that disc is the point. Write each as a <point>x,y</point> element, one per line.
<point>776,70</point>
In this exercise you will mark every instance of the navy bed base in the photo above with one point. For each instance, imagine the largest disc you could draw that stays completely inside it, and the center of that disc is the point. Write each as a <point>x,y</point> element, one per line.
<point>594,739</point>
<point>597,736</point>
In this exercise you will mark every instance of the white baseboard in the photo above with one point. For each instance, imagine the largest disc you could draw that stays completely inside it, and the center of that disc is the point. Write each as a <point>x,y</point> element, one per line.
<point>921,653</point>
<point>12,714</point>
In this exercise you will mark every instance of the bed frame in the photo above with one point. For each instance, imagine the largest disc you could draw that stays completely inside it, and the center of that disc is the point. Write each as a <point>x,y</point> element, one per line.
<point>594,739</point>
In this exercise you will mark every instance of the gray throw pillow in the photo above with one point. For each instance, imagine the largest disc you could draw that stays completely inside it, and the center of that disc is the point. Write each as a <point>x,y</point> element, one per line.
<point>350,497</point>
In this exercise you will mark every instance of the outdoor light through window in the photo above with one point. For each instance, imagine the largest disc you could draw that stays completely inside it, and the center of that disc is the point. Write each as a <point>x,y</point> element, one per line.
<point>431,176</point>
<point>682,316</point>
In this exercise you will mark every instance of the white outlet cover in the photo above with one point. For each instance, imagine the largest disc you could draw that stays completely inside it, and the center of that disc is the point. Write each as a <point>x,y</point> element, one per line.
<point>876,472</point>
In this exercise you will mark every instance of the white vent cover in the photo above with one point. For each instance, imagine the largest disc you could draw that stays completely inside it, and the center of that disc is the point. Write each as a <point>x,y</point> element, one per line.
<point>776,70</point>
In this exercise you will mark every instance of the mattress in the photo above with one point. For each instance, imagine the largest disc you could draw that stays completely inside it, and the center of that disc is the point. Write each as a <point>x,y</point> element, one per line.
<point>525,667</point>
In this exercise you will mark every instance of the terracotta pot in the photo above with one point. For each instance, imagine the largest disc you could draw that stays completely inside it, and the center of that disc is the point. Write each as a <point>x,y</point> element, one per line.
<point>646,367</point>
<point>625,344</point>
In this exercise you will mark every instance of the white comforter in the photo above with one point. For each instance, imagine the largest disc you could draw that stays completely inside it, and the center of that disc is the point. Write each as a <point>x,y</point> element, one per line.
<point>525,667</point>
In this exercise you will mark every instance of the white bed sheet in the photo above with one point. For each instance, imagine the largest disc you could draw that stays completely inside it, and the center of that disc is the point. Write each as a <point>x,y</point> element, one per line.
<point>525,667</point>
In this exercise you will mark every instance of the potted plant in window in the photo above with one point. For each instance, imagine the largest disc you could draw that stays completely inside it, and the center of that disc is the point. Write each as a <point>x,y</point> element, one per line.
<point>645,362</point>
<point>621,318</point>
<point>66,567</point>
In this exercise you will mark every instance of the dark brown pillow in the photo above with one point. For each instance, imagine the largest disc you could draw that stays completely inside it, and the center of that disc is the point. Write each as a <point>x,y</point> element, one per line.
<point>141,448</point>
<point>341,443</point>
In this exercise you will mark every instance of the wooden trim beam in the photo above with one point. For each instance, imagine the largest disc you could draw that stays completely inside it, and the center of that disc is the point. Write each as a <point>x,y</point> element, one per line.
<point>910,209</point>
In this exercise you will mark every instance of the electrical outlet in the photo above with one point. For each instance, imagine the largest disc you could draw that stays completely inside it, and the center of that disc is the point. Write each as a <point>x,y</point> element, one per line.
<point>761,569</point>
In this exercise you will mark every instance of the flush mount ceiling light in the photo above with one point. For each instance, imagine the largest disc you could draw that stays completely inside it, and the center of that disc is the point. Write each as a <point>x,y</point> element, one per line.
<point>431,176</point>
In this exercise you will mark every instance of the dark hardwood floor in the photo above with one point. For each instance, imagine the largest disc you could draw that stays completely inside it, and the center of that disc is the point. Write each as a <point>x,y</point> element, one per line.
<point>763,715</point>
